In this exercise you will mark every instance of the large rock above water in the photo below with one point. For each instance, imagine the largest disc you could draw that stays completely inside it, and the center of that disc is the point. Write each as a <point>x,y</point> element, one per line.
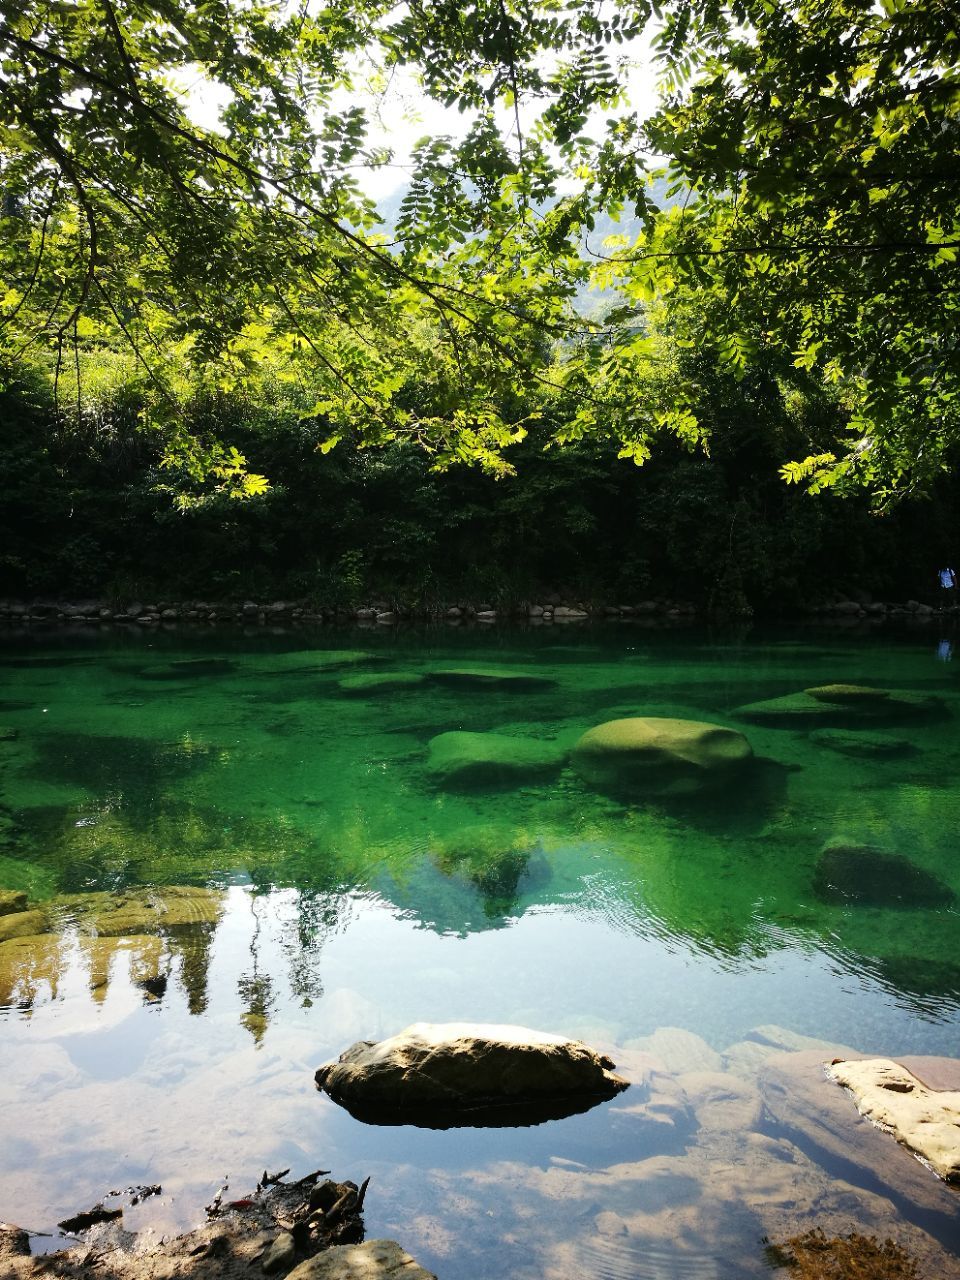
<point>459,759</point>
<point>860,875</point>
<point>924,1120</point>
<point>461,1073</point>
<point>655,756</point>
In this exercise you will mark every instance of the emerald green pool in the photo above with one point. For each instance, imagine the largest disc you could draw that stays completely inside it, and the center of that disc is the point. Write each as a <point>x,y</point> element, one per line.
<point>354,894</point>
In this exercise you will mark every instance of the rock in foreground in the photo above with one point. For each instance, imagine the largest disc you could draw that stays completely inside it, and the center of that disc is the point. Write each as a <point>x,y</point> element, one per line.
<point>446,1075</point>
<point>656,755</point>
<point>372,1260</point>
<point>924,1120</point>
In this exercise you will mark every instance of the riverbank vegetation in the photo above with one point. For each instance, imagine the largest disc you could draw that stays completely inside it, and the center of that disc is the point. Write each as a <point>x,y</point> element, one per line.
<point>225,369</point>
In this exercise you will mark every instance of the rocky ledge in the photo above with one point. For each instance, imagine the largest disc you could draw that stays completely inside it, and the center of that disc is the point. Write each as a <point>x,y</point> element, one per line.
<point>304,1230</point>
<point>924,1120</point>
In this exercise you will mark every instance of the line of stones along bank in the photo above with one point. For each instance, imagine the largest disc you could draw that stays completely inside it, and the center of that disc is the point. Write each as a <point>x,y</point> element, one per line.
<point>251,612</point>
<point>553,609</point>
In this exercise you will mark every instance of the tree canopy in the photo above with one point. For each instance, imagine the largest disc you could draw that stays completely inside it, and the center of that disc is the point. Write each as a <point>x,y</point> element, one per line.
<point>812,148</point>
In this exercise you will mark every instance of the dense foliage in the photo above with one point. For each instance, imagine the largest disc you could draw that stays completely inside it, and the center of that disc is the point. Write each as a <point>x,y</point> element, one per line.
<point>87,510</point>
<point>193,313</point>
<point>814,146</point>
<point>819,142</point>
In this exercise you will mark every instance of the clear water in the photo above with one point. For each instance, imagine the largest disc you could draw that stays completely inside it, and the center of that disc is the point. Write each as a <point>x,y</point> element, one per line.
<point>354,897</point>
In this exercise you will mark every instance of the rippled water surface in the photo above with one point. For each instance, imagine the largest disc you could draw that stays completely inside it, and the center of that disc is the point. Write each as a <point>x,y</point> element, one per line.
<point>338,891</point>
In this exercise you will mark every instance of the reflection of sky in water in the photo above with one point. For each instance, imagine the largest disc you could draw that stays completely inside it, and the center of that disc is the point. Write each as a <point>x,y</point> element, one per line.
<point>358,900</point>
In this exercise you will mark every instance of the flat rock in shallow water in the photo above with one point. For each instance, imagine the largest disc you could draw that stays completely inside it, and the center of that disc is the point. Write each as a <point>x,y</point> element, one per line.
<point>924,1120</point>
<point>459,759</point>
<point>12,900</point>
<point>304,662</point>
<point>21,924</point>
<point>187,669</point>
<point>860,694</point>
<point>372,1260</point>
<point>29,965</point>
<point>861,744</point>
<point>494,679</point>
<point>453,1074</point>
<point>158,909</point>
<point>800,710</point>
<point>859,875</point>
<point>379,682</point>
<point>657,755</point>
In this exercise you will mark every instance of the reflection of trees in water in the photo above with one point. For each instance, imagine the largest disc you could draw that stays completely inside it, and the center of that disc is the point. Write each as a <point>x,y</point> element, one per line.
<point>153,933</point>
<point>256,988</point>
<point>317,915</point>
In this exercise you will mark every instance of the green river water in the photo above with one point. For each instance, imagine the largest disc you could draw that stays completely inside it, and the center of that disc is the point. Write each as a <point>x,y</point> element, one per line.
<point>347,894</point>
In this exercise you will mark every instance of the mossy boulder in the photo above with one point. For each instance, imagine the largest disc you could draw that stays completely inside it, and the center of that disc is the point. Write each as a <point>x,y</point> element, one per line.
<point>654,755</point>
<point>497,679</point>
<point>12,900</point>
<point>861,744</point>
<point>860,875</point>
<point>376,683</point>
<point>465,760</point>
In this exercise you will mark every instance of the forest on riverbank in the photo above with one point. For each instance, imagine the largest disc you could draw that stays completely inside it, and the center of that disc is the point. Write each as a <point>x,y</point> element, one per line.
<point>226,370</point>
<point>89,509</point>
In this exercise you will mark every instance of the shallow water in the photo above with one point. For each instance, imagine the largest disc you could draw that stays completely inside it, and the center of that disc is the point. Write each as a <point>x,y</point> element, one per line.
<point>351,895</point>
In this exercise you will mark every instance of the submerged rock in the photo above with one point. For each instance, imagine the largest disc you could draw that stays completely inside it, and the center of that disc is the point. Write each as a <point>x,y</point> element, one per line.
<point>377,682</point>
<point>861,744</point>
<point>453,1074</point>
<point>841,706</point>
<point>860,875</point>
<point>306,661</point>
<point>499,679</point>
<point>372,1260</point>
<point>28,965</point>
<point>12,900</point>
<point>654,755</point>
<point>187,669</point>
<point>459,759</point>
<point>924,1120</point>
<point>844,693</point>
